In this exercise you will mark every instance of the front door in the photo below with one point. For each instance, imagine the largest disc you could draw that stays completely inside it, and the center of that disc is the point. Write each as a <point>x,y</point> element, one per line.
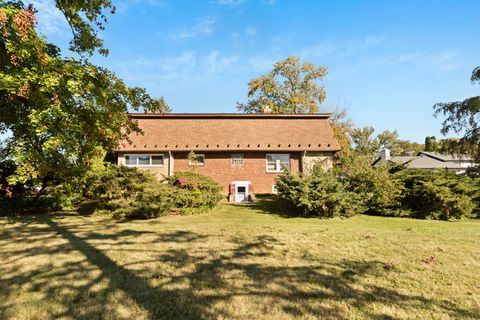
<point>241,194</point>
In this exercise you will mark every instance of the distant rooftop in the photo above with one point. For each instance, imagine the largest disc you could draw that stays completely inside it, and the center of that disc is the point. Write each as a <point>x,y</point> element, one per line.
<point>447,157</point>
<point>428,160</point>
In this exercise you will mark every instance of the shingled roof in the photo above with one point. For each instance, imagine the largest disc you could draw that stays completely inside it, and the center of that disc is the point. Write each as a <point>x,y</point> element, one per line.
<point>241,132</point>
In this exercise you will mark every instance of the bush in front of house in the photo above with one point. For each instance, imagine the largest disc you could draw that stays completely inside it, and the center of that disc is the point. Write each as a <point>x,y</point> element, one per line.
<point>380,193</point>
<point>318,193</point>
<point>125,192</point>
<point>437,194</point>
<point>195,192</point>
<point>117,191</point>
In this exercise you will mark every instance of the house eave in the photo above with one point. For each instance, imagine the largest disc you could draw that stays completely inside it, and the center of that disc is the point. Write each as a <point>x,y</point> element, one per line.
<point>229,115</point>
<point>223,150</point>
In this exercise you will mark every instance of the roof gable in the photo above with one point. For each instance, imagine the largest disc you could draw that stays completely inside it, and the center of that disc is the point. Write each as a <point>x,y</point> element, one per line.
<point>446,156</point>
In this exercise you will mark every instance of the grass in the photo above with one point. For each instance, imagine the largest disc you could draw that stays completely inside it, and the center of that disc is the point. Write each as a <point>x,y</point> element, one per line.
<point>238,262</point>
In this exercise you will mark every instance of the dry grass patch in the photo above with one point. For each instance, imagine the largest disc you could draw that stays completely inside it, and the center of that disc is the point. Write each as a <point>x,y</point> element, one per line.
<point>238,262</point>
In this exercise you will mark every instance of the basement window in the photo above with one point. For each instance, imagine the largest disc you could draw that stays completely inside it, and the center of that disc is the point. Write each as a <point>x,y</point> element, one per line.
<point>274,189</point>
<point>144,160</point>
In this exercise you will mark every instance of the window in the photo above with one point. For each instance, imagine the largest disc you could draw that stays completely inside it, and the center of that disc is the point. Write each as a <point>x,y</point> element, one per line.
<point>157,160</point>
<point>200,160</point>
<point>278,162</point>
<point>237,159</point>
<point>274,189</point>
<point>144,160</point>
<point>130,160</point>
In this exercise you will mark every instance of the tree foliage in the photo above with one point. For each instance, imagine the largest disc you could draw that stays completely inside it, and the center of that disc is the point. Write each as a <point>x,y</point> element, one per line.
<point>196,192</point>
<point>342,127</point>
<point>291,87</point>
<point>431,143</point>
<point>437,194</point>
<point>357,187</point>
<point>366,143</point>
<point>86,18</point>
<point>63,113</point>
<point>380,193</point>
<point>408,148</point>
<point>162,105</point>
<point>124,192</point>
<point>463,117</point>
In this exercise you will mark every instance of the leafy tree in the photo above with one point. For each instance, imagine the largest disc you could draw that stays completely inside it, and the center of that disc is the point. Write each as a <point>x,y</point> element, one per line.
<point>342,127</point>
<point>86,18</point>
<point>163,106</point>
<point>389,139</point>
<point>62,112</point>
<point>431,143</point>
<point>366,143</point>
<point>408,148</point>
<point>463,117</point>
<point>291,87</point>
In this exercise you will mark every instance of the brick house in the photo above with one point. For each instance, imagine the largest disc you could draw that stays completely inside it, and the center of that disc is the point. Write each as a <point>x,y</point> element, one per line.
<point>242,152</point>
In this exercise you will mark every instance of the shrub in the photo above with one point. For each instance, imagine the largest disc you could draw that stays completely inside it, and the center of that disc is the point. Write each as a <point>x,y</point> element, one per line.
<point>117,191</point>
<point>13,198</point>
<point>437,194</point>
<point>380,192</point>
<point>476,197</point>
<point>124,192</point>
<point>318,193</point>
<point>64,196</point>
<point>195,192</point>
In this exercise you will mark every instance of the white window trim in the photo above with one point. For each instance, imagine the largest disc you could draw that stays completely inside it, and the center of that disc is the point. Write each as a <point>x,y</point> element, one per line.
<point>277,162</point>
<point>199,164</point>
<point>238,156</point>
<point>144,155</point>
<point>274,189</point>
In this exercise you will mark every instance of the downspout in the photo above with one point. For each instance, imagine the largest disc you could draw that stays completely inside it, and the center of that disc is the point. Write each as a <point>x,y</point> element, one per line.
<point>170,164</point>
<point>302,169</point>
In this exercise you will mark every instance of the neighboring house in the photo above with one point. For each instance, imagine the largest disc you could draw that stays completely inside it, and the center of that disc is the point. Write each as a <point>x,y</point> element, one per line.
<point>428,161</point>
<point>462,160</point>
<point>242,152</point>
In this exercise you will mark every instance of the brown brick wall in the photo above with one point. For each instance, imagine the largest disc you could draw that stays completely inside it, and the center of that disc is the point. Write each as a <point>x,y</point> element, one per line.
<point>218,166</point>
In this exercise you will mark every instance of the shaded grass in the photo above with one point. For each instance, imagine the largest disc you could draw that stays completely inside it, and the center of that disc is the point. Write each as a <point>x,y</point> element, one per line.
<point>238,262</point>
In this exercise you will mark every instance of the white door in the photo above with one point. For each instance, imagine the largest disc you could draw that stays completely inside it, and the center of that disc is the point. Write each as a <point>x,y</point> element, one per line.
<point>241,194</point>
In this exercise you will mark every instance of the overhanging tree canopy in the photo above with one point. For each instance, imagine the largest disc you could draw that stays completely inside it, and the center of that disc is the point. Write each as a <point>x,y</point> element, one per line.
<point>463,117</point>
<point>62,112</point>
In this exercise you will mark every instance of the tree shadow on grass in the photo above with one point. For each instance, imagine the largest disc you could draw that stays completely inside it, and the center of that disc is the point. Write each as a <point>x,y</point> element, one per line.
<point>205,283</point>
<point>157,302</point>
<point>274,205</point>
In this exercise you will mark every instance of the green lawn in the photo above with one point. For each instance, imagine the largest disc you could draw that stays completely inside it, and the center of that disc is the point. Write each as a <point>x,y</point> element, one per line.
<point>238,262</point>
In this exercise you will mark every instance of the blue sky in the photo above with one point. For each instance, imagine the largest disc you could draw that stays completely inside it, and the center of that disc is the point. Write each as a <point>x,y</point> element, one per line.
<point>388,61</point>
